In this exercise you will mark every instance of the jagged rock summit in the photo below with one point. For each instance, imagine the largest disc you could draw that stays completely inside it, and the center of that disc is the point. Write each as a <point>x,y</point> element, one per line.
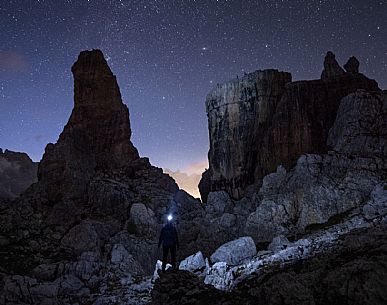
<point>97,135</point>
<point>352,65</point>
<point>86,232</point>
<point>264,120</point>
<point>331,67</point>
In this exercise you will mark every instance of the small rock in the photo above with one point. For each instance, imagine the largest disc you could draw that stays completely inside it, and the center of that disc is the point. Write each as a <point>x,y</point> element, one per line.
<point>278,243</point>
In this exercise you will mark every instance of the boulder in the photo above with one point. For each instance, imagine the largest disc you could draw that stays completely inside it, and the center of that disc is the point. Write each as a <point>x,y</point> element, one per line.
<point>278,243</point>
<point>142,219</point>
<point>218,203</point>
<point>124,261</point>
<point>193,263</point>
<point>235,251</point>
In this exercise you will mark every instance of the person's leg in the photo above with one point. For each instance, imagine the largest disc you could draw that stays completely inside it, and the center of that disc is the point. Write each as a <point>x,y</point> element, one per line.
<point>165,257</point>
<point>173,257</point>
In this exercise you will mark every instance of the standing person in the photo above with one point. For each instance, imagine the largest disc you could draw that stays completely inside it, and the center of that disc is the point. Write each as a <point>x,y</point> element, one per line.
<point>170,241</point>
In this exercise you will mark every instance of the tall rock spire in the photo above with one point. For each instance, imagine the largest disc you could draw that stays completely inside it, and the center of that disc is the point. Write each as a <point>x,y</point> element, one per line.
<point>97,135</point>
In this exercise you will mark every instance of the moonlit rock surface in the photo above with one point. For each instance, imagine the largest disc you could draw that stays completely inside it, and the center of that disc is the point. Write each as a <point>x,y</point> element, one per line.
<point>226,277</point>
<point>278,243</point>
<point>193,263</point>
<point>158,268</point>
<point>235,251</point>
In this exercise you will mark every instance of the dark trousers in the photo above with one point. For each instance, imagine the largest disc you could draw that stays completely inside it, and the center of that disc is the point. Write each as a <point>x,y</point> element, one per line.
<point>166,250</point>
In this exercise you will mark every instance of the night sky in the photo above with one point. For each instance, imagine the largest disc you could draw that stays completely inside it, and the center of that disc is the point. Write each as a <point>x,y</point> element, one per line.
<point>167,55</point>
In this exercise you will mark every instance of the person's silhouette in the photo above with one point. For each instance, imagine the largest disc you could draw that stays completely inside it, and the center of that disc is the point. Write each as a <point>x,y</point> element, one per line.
<point>169,239</point>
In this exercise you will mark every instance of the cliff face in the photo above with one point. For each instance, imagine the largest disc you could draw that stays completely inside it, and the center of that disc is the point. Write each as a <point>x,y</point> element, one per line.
<point>238,113</point>
<point>17,173</point>
<point>97,135</point>
<point>266,120</point>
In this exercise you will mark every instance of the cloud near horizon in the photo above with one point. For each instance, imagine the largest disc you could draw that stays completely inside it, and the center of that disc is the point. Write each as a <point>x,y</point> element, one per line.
<point>12,62</point>
<point>189,177</point>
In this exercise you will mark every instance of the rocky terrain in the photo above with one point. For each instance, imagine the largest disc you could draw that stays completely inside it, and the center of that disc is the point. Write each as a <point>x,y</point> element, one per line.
<point>295,200</point>
<point>312,207</point>
<point>351,271</point>
<point>17,173</point>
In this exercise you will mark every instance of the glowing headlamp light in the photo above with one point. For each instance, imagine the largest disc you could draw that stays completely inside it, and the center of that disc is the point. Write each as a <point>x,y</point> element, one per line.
<point>169,217</point>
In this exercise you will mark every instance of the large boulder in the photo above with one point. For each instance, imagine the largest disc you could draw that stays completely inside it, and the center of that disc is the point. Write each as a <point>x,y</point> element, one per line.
<point>235,251</point>
<point>278,243</point>
<point>193,263</point>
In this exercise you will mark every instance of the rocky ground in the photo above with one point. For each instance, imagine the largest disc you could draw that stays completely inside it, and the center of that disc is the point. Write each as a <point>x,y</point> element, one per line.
<point>353,271</point>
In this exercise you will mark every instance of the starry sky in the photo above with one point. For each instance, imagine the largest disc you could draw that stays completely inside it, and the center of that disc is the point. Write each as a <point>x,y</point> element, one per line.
<point>167,55</point>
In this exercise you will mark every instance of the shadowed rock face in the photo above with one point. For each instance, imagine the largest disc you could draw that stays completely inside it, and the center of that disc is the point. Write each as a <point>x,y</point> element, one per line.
<point>17,173</point>
<point>238,112</point>
<point>264,120</point>
<point>97,135</point>
<point>87,230</point>
<point>303,118</point>
<point>331,67</point>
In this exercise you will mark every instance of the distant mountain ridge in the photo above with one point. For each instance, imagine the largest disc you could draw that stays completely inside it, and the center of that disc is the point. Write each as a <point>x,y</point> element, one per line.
<point>17,173</point>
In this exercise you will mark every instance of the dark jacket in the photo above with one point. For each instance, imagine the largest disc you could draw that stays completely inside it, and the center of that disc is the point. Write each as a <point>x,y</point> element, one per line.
<point>168,236</point>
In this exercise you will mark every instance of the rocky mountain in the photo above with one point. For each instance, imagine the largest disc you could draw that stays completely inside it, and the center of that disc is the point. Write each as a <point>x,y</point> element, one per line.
<point>87,231</point>
<point>264,120</point>
<point>311,228</point>
<point>17,173</point>
<point>318,190</point>
<point>97,135</point>
<point>295,212</point>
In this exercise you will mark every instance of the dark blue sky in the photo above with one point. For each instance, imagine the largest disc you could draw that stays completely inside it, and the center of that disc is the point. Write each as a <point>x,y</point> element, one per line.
<point>167,55</point>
